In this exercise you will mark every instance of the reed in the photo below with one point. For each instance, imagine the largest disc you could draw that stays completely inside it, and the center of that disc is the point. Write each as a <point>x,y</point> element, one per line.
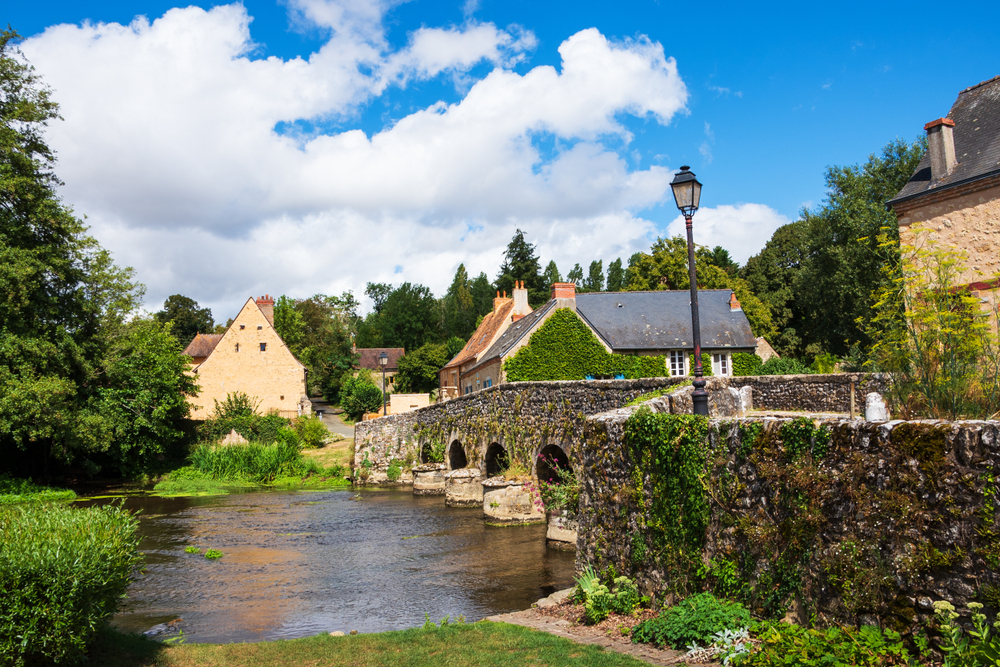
<point>252,462</point>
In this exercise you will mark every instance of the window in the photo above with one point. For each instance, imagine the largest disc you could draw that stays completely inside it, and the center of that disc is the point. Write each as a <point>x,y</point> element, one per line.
<point>720,364</point>
<point>242,327</point>
<point>263,347</point>
<point>488,383</point>
<point>677,362</point>
<point>237,347</point>
<point>259,327</point>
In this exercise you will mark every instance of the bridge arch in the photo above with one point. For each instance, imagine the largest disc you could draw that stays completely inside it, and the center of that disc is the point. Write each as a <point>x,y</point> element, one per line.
<point>456,456</point>
<point>551,458</point>
<point>497,459</point>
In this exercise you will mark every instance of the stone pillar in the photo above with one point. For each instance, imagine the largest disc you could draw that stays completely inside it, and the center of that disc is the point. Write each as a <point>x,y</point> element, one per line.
<point>464,488</point>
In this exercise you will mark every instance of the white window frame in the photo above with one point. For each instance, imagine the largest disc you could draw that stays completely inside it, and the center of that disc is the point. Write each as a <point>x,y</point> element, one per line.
<point>673,358</point>
<point>722,364</point>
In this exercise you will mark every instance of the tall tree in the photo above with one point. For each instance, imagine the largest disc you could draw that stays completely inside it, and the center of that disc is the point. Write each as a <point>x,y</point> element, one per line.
<point>721,258</point>
<point>289,324</point>
<point>551,274</point>
<point>482,291</point>
<point>418,370</point>
<point>459,306</point>
<point>616,276</point>
<point>321,326</point>
<point>575,276</point>
<point>595,277</point>
<point>834,290</point>
<point>186,318</point>
<point>408,317</point>
<point>520,263</point>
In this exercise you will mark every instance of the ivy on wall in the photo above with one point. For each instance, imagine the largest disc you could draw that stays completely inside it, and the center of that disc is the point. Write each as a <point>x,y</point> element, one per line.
<point>564,348</point>
<point>746,363</point>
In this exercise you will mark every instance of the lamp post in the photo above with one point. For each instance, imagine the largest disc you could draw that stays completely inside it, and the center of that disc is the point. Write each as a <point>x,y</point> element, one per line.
<point>383,359</point>
<point>687,194</point>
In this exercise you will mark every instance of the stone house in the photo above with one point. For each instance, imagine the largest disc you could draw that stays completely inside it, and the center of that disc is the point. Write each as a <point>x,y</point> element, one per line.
<point>457,377</point>
<point>953,196</point>
<point>249,357</point>
<point>636,323</point>
<point>368,359</point>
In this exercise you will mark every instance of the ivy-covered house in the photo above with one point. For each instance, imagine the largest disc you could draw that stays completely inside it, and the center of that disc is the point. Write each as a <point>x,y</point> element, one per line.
<point>615,334</point>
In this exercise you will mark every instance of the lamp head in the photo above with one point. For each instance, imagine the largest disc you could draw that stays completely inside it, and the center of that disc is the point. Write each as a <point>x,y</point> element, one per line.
<point>383,359</point>
<point>687,191</point>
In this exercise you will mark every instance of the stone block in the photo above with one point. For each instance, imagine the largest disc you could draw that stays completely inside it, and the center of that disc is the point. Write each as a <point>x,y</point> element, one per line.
<point>464,488</point>
<point>428,479</point>
<point>505,502</point>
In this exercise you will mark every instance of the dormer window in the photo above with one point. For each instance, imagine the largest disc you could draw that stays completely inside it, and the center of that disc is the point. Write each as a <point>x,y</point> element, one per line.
<point>263,347</point>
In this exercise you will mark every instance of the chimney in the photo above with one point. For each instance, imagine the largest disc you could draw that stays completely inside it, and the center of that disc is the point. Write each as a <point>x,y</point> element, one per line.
<point>564,291</point>
<point>500,300</point>
<point>266,305</point>
<point>734,303</point>
<point>941,146</point>
<point>521,307</point>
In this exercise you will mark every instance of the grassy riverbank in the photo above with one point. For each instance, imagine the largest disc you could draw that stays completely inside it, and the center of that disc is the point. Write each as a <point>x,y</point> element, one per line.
<point>457,645</point>
<point>14,491</point>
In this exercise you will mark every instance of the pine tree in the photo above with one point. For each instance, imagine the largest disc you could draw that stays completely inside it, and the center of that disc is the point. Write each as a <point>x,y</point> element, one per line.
<point>595,277</point>
<point>521,263</point>
<point>616,276</point>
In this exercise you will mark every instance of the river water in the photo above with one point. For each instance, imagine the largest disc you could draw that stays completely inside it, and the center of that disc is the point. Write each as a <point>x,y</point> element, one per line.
<point>300,563</point>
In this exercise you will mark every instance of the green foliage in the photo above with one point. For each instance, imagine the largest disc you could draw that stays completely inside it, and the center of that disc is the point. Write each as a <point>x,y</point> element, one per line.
<point>520,263</point>
<point>192,550</point>
<point>616,276</point>
<point>562,492</point>
<point>789,645</point>
<point>595,277</point>
<point>665,268</point>
<point>746,363</point>
<point>671,452</point>
<point>253,462</point>
<point>575,276</point>
<point>394,471</point>
<point>418,369</point>
<point>407,316</point>
<point>453,346</point>
<point>238,412</point>
<point>63,571</point>
<point>824,362</point>
<point>620,596</point>
<point>694,621</point>
<point>317,331</point>
<point>563,348</point>
<point>213,554</point>
<point>648,396</point>
<point>14,490</point>
<point>936,338</point>
<point>433,452</point>
<point>552,274</point>
<point>144,403</point>
<point>289,324</point>
<point>783,366</point>
<point>311,431</point>
<point>460,308</point>
<point>185,317</point>
<point>359,395</point>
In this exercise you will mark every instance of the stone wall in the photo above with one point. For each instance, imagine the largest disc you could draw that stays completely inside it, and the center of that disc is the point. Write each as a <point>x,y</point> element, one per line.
<point>811,393</point>
<point>525,417</point>
<point>856,523</point>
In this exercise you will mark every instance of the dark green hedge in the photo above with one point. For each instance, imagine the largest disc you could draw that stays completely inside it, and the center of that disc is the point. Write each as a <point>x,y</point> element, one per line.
<point>63,572</point>
<point>564,348</point>
<point>746,363</point>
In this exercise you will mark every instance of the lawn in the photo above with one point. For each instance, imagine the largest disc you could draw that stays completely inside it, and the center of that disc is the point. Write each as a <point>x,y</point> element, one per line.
<point>335,453</point>
<point>482,644</point>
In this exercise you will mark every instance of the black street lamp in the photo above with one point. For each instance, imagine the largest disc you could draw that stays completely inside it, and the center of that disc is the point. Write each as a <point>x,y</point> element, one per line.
<point>383,359</point>
<point>687,194</point>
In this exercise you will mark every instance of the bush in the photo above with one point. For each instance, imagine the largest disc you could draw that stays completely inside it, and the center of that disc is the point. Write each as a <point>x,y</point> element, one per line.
<point>394,471</point>
<point>791,645</point>
<point>746,363</point>
<point>63,571</point>
<point>693,621</point>
<point>600,600</point>
<point>253,462</point>
<point>783,366</point>
<point>14,490</point>
<point>311,431</point>
<point>359,395</point>
<point>238,412</point>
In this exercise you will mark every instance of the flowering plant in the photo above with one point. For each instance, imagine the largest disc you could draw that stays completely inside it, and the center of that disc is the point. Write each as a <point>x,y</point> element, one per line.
<point>561,492</point>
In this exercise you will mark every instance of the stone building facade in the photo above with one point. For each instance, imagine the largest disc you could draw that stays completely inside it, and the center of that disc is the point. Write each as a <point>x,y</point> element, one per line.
<point>953,198</point>
<point>249,357</point>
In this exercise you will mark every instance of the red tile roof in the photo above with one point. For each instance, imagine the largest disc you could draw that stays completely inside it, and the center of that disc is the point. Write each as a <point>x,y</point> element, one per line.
<point>370,355</point>
<point>484,334</point>
<point>202,345</point>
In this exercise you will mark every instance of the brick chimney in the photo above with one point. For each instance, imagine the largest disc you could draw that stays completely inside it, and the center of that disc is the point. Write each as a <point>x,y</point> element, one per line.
<point>941,147</point>
<point>734,303</point>
<point>266,305</point>
<point>500,300</point>
<point>564,291</point>
<point>521,307</point>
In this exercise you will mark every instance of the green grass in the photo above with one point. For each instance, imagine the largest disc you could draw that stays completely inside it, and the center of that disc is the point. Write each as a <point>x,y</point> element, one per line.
<point>481,644</point>
<point>642,398</point>
<point>14,490</point>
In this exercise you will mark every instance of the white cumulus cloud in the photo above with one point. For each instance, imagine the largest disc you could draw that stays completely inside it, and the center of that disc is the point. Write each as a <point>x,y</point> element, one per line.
<point>170,147</point>
<point>742,229</point>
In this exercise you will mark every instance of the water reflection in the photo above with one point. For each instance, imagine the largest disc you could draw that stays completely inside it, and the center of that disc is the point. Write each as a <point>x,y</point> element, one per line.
<point>301,563</point>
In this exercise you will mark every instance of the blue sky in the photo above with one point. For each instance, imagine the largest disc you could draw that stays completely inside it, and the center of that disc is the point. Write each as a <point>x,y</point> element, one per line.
<point>770,95</point>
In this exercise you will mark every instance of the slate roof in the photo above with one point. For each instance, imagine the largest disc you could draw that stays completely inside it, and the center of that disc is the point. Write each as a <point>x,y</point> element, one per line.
<point>369,357</point>
<point>976,114</point>
<point>202,345</point>
<point>484,333</point>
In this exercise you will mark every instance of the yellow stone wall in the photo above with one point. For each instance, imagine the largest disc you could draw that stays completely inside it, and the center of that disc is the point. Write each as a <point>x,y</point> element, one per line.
<point>969,222</point>
<point>273,376</point>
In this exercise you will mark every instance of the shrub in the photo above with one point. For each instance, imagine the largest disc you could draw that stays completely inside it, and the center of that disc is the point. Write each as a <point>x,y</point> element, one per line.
<point>622,597</point>
<point>238,412</point>
<point>746,363</point>
<point>824,363</point>
<point>311,431</point>
<point>359,395</point>
<point>693,621</point>
<point>14,490</point>
<point>433,452</point>
<point>394,471</point>
<point>561,493</point>
<point>783,366</point>
<point>790,645</point>
<point>63,571</point>
<point>253,462</point>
